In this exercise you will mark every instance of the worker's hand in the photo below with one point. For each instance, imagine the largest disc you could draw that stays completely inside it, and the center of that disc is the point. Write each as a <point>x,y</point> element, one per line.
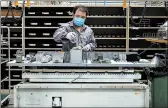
<point>86,48</point>
<point>71,36</point>
<point>77,48</point>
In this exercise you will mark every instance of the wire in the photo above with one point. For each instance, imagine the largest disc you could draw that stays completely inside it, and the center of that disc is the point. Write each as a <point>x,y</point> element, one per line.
<point>6,16</point>
<point>20,18</point>
<point>10,8</point>
<point>143,14</point>
<point>149,47</point>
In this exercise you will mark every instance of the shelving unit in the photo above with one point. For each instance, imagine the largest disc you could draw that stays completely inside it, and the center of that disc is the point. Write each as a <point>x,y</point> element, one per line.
<point>15,31</point>
<point>5,93</point>
<point>37,18</point>
<point>154,17</point>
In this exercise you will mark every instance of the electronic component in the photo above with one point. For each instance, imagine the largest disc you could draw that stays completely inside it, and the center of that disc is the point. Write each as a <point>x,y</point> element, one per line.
<point>31,57</point>
<point>19,56</point>
<point>46,58</point>
<point>76,56</point>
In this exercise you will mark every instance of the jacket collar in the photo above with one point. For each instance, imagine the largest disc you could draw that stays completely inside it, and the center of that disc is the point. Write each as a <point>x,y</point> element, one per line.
<point>72,25</point>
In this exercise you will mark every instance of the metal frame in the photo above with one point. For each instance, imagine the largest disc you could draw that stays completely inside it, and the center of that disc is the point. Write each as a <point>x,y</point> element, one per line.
<point>0,48</point>
<point>9,74</point>
<point>81,77</point>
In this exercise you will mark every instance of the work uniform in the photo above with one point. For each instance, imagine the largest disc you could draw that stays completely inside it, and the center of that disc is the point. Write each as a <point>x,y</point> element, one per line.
<point>83,38</point>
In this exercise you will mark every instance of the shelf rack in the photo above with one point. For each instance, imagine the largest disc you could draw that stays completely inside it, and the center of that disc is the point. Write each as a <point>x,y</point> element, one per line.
<point>25,36</point>
<point>5,94</point>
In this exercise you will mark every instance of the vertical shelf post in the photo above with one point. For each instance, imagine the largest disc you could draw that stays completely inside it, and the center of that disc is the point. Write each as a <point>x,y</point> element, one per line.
<point>0,49</point>
<point>127,29</point>
<point>23,35</point>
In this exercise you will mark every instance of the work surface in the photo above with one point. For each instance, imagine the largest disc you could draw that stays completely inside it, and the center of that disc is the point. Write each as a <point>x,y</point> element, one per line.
<point>112,64</point>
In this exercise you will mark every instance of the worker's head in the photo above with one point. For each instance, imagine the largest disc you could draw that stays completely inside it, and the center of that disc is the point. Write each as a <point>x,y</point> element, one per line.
<point>79,15</point>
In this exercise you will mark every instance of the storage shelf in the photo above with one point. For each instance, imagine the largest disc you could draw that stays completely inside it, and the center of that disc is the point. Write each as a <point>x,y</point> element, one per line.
<point>72,17</point>
<point>48,38</point>
<point>72,5</point>
<point>14,80</point>
<point>61,48</point>
<point>4,43</point>
<point>10,17</point>
<point>11,48</point>
<point>43,48</point>
<point>13,37</point>
<point>104,49</point>
<point>141,38</point>
<point>91,27</point>
<point>144,28</point>
<point>135,49</point>
<point>135,17</point>
<point>146,6</point>
<point>15,27</point>
<point>96,48</point>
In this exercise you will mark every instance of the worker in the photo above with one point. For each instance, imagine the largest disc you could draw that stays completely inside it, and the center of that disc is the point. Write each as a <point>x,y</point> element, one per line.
<point>75,34</point>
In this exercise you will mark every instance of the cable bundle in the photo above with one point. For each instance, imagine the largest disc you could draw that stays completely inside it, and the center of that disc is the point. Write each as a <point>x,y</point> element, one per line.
<point>14,20</point>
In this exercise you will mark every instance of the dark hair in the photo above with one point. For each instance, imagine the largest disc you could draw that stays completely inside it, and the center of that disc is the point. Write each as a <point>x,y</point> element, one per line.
<point>81,8</point>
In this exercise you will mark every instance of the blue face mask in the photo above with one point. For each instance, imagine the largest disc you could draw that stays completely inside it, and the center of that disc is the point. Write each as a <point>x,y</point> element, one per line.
<point>79,21</point>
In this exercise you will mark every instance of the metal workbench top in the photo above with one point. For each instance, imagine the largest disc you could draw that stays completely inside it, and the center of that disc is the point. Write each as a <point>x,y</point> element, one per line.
<point>51,64</point>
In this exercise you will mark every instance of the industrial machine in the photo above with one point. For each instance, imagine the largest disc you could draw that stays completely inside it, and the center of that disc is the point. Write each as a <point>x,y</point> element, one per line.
<point>91,79</point>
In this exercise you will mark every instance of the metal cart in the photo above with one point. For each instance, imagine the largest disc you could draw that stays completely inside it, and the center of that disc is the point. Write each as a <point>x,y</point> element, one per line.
<point>5,93</point>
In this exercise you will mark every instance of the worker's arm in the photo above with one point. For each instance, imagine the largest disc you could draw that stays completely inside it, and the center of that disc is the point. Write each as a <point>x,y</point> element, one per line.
<point>91,43</point>
<point>60,34</point>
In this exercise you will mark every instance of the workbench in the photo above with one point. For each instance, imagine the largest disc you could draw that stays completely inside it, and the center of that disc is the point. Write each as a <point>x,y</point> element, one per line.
<point>112,64</point>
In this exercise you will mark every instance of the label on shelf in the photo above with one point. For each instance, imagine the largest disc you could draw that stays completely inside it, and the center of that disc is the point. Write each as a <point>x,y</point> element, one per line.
<point>135,49</point>
<point>135,17</point>
<point>3,55</point>
<point>32,44</point>
<point>15,45</point>
<point>47,23</point>
<point>46,44</point>
<point>135,28</point>
<point>14,34</point>
<point>31,13</point>
<point>16,76</point>
<point>45,13</point>
<point>149,55</point>
<point>8,24</point>
<point>33,23</point>
<point>46,34</point>
<point>58,44</point>
<point>32,34</point>
<point>59,13</point>
<point>133,38</point>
